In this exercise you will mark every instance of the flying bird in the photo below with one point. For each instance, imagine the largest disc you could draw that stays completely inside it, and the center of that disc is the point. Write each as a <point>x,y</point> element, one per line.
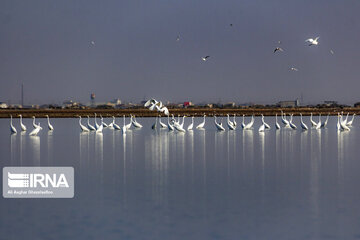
<point>294,69</point>
<point>331,51</point>
<point>312,41</point>
<point>178,38</point>
<point>93,43</point>
<point>205,58</point>
<point>278,49</point>
<point>231,24</point>
<point>279,42</point>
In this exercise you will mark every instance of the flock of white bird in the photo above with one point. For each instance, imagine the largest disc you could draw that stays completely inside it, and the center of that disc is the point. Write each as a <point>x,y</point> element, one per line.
<point>172,124</point>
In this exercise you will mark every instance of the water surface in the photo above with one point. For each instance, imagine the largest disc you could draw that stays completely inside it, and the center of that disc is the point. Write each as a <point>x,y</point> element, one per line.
<point>203,184</point>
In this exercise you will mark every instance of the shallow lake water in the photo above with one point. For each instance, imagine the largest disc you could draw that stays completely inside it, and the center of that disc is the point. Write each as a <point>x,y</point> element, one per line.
<point>202,184</point>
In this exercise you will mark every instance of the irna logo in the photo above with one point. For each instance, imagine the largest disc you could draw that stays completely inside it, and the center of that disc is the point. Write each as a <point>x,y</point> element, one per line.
<point>20,180</point>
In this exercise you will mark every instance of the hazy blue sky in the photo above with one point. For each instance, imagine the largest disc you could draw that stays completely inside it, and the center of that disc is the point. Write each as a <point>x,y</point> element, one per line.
<point>47,46</point>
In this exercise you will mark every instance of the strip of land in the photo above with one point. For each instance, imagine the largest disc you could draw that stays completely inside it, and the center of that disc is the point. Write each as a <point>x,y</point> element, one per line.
<point>143,112</point>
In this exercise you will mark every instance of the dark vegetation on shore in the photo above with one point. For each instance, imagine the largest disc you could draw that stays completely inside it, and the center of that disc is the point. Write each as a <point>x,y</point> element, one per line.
<point>143,112</point>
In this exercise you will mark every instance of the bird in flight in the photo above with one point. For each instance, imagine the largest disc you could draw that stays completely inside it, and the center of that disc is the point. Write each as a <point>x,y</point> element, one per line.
<point>278,49</point>
<point>205,58</point>
<point>294,69</point>
<point>178,38</point>
<point>92,43</point>
<point>312,41</point>
<point>231,24</point>
<point>331,51</point>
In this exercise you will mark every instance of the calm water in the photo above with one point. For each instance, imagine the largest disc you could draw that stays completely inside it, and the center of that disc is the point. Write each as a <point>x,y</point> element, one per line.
<point>199,185</point>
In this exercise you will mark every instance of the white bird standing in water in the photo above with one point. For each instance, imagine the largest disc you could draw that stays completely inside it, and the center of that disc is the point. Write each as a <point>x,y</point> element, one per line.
<point>313,123</point>
<point>116,127</point>
<point>277,125</point>
<point>234,120</point>
<point>135,123</point>
<point>124,128</point>
<point>190,127</point>
<point>201,125</point>
<point>103,123</point>
<point>303,125</point>
<point>263,120</point>
<point>90,127</point>
<point>219,125</point>
<point>49,124</point>
<point>23,127</point>
<point>351,121</point>
<point>323,125</point>
<point>162,125</point>
<point>12,128</point>
<point>35,131</point>
<point>262,126</point>
<point>100,128</point>
<point>293,126</point>
<point>250,124</point>
<point>82,127</point>
<point>33,123</point>
<point>318,125</point>
<point>230,124</point>
<point>96,124</point>
<point>243,122</point>
<point>155,123</point>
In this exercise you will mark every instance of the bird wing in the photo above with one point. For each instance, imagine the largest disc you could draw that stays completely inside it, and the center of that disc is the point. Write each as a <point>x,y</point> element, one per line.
<point>317,38</point>
<point>309,40</point>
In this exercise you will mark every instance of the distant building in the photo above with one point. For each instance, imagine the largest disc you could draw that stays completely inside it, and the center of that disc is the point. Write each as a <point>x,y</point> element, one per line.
<point>284,104</point>
<point>3,105</point>
<point>357,104</point>
<point>187,104</point>
<point>70,104</point>
<point>116,101</point>
<point>330,103</point>
<point>229,105</point>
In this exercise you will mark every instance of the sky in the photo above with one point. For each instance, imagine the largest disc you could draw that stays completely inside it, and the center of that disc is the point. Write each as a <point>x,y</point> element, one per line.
<point>47,46</point>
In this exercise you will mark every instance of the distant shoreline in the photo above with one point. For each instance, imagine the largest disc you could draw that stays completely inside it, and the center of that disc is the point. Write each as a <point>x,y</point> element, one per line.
<point>143,112</point>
